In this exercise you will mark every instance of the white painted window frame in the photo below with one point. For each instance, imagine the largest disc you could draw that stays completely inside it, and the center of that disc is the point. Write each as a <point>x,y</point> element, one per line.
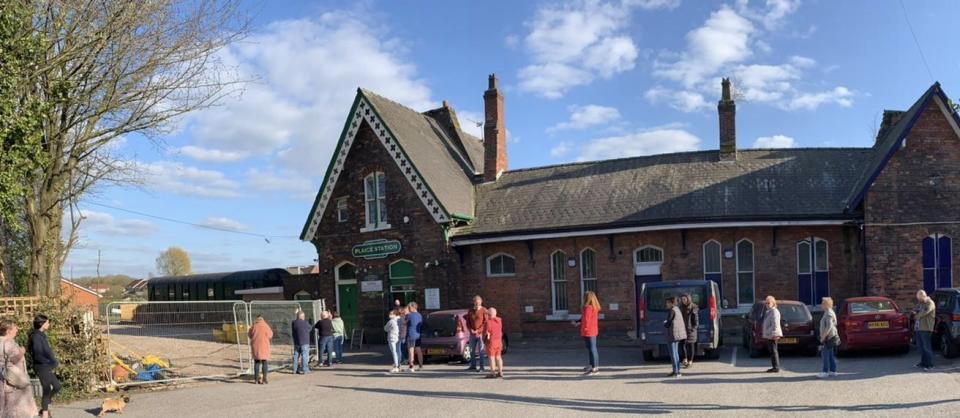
<point>583,278</point>
<point>554,281</point>
<point>378,199</point>
<point>719,254</point>
<point>752,271</point>
<point>501,254</point>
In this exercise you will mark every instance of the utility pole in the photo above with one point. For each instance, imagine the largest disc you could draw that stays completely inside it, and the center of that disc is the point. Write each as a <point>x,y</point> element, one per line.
<point>98,272</point>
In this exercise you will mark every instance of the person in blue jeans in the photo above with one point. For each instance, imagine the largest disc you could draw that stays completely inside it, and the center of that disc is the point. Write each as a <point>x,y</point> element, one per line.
<point>829,339</point>
<point>338,335</point>
<point>676,332</point>
<point>924,315</point>
<point>301,343</point>
<point>414,322</point>
<point>476,320</point>
<point>325,328</point>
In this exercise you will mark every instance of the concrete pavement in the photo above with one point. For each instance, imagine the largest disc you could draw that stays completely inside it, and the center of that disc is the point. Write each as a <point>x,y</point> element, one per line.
<point>547,382</point>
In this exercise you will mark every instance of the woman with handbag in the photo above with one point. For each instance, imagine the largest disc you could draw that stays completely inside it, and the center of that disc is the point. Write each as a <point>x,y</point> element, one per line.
<point>44,362</point>
<point>829,338</point>
<point>17,399</point>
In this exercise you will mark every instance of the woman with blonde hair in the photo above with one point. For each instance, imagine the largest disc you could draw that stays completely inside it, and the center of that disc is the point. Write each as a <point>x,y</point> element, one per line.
<point>829,338</point>
<point>15,402</point>
<point>589,330</point>
<point>772,332</point>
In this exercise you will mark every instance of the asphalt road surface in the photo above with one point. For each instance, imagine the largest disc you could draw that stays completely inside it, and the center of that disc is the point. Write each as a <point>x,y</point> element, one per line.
<point>547,382</point>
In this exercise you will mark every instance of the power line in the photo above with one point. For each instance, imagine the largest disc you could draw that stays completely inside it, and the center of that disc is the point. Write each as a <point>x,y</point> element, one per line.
<point>215,228</point>
<point>923,58</point>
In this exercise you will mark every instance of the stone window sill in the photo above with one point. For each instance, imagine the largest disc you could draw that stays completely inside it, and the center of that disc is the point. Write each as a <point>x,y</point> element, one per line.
<point>380,227</point>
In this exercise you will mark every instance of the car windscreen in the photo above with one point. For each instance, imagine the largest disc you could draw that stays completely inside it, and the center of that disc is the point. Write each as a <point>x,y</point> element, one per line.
<point>794,313</point>
<point>873,306</point>
<point>440,326</point>
<point>657,296</point>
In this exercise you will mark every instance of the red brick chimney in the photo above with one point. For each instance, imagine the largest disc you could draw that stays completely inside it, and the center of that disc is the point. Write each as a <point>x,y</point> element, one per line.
<point>494,132</point>
<point>727,109</point>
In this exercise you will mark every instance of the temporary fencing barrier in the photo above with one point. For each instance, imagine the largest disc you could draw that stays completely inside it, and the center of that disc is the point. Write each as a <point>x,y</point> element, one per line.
<point>165,341</point>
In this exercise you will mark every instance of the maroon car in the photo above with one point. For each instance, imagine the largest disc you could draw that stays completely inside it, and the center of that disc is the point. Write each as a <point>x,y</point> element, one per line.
<point>445,334</point>
<point>795,321</point>
<point>872,322</point>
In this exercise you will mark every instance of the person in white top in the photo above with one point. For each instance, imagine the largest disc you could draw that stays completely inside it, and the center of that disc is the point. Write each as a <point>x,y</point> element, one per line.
<point>772,332</point>
<point>392,329</point>
<point>829,338</point>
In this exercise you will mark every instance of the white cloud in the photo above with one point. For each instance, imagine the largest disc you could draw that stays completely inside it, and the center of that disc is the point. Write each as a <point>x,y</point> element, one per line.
<point>682,100</point>
<point>723,39</point>
<point>221,222</point>
<point>211,155</point>
<point>773,14</point>
<point>177,178</point>
<point>653,4</point>
<point>582,117</point>
<point>560,149</point>
<point>471,122</point>
<point>271,181</point>
<point>306,72</point>
<point>840,96</point>
<point>573,44</point>
<point>656,141</point>
<point>105,223</point>
<point>776,141</point>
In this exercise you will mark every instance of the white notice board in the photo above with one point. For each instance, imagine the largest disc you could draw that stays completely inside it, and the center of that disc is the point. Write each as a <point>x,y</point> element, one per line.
<point>432,298</point>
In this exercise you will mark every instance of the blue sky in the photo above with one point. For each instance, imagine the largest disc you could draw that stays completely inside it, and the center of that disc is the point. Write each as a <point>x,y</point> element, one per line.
<point>582,80</point>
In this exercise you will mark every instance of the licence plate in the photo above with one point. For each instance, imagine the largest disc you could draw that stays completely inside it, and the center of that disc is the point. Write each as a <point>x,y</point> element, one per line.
<point>787,341</point>
<point>878,324</point>
<point>435,351</point>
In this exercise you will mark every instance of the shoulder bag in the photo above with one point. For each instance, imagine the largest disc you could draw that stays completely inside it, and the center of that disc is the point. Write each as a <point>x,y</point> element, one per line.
<point>13,376</point>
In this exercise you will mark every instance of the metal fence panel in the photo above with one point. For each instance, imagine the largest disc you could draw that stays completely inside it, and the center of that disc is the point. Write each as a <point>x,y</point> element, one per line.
<point>279,315</point>
<point>166,341</point>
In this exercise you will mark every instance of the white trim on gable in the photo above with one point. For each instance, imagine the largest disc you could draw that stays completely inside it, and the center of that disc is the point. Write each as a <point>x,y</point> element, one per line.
<point>365,112</point>
<point>948,114</point>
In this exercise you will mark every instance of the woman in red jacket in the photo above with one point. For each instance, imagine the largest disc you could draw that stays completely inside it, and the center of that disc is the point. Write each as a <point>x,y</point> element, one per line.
<point>589,331</point>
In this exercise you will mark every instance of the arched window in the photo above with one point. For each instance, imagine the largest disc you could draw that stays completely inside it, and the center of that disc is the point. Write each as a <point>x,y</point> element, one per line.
<point>375,200</point>
<point>501,265</point>
<point>558,281</point>
<point>712,266</point>
<point>746,290</point>
<point>346,271</point>
<point>401,272</point>
<point>649,254</point>
<point>937,262</point>
<point>813,270</point>
<point>588,272</point>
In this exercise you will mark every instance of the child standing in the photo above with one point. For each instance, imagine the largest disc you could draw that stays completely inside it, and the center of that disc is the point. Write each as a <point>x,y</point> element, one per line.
<point>393,339</point>
<point>493,336</point>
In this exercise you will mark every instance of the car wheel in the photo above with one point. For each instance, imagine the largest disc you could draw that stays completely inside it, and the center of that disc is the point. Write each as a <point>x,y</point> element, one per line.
<point>647,355</point>
<point>947,347</point>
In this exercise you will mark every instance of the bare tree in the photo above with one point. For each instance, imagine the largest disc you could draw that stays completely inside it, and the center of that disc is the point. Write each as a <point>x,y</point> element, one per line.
<point>115,69</point>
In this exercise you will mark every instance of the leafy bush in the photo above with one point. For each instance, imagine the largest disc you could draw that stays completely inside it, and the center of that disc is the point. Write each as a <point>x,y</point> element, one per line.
<point>77,342</point>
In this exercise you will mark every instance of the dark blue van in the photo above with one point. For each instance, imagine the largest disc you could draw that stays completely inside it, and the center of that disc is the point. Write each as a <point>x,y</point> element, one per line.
<point>652,312</point>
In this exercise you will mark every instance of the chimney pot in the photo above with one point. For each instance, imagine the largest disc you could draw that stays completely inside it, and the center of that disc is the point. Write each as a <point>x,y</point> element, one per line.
<point>445,104</point>
<point>727,111</point>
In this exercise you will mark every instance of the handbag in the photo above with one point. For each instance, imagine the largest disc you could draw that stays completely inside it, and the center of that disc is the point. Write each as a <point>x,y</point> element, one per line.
<point>13,376</point>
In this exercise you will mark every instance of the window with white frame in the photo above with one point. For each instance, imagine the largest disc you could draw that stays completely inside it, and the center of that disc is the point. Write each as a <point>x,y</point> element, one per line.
<point>649,255</point>
<point>500,265</point>
<point>375,199</point>
<point>745,280</point>
<point>342,214</point>
<point>588,272</point>
<point>558,281</point>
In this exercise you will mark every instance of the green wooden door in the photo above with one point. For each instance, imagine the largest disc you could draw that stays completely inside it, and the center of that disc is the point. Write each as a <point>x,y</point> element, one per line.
<point>348,307</point>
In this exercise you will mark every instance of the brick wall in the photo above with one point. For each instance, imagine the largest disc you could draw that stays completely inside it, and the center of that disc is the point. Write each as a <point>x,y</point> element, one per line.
<point>775,270</point>
<point>421,237</point>
<point>918,185</point>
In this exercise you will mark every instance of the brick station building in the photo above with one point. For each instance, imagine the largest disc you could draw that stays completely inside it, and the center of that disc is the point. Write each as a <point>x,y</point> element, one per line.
<point>415,209</point>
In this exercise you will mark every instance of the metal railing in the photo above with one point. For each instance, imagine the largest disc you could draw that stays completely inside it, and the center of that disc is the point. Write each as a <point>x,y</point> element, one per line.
<point>167,341</point>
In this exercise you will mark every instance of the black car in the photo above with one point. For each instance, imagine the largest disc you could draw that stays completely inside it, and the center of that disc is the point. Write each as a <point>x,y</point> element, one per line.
<point>946,329</point>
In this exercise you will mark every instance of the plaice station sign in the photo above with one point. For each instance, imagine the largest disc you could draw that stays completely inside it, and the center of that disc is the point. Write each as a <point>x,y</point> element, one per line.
<point>376,249</point>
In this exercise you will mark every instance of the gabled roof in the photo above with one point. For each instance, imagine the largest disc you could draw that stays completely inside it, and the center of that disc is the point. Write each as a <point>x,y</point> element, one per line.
<point>891,140</point>
<point>80,287</point>
<point>762,184</point>
<point>439,161</point>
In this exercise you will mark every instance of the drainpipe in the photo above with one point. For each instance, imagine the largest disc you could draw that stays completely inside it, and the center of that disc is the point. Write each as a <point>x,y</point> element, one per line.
<point>863,251</point>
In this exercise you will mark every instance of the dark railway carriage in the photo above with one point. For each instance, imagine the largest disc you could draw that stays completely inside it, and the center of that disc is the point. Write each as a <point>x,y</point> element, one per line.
<point>213,286</point>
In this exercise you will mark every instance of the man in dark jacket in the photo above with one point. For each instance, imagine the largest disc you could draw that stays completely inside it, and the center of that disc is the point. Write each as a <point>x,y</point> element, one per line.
<point>691,320</point>
<point>325,327</point>
<point>301,343</point>
<point>44,362</point>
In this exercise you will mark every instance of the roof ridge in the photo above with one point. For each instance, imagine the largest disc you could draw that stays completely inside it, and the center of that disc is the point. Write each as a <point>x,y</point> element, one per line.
<point>372,93</point>
<point>641,157</point>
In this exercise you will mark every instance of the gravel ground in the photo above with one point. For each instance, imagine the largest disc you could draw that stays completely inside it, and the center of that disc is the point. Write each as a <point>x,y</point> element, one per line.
<point>547,382</point>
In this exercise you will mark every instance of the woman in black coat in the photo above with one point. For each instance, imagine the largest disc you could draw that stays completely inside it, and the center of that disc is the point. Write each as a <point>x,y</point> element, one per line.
<point>691,320</point>
<point>44,362</point>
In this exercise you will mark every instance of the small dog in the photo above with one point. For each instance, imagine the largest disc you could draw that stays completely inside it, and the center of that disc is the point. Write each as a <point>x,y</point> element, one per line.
<point>114,405</point>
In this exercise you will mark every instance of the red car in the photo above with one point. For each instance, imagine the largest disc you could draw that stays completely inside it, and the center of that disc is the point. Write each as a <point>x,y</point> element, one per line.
<point>873,322</point>
<point>796,322</point>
